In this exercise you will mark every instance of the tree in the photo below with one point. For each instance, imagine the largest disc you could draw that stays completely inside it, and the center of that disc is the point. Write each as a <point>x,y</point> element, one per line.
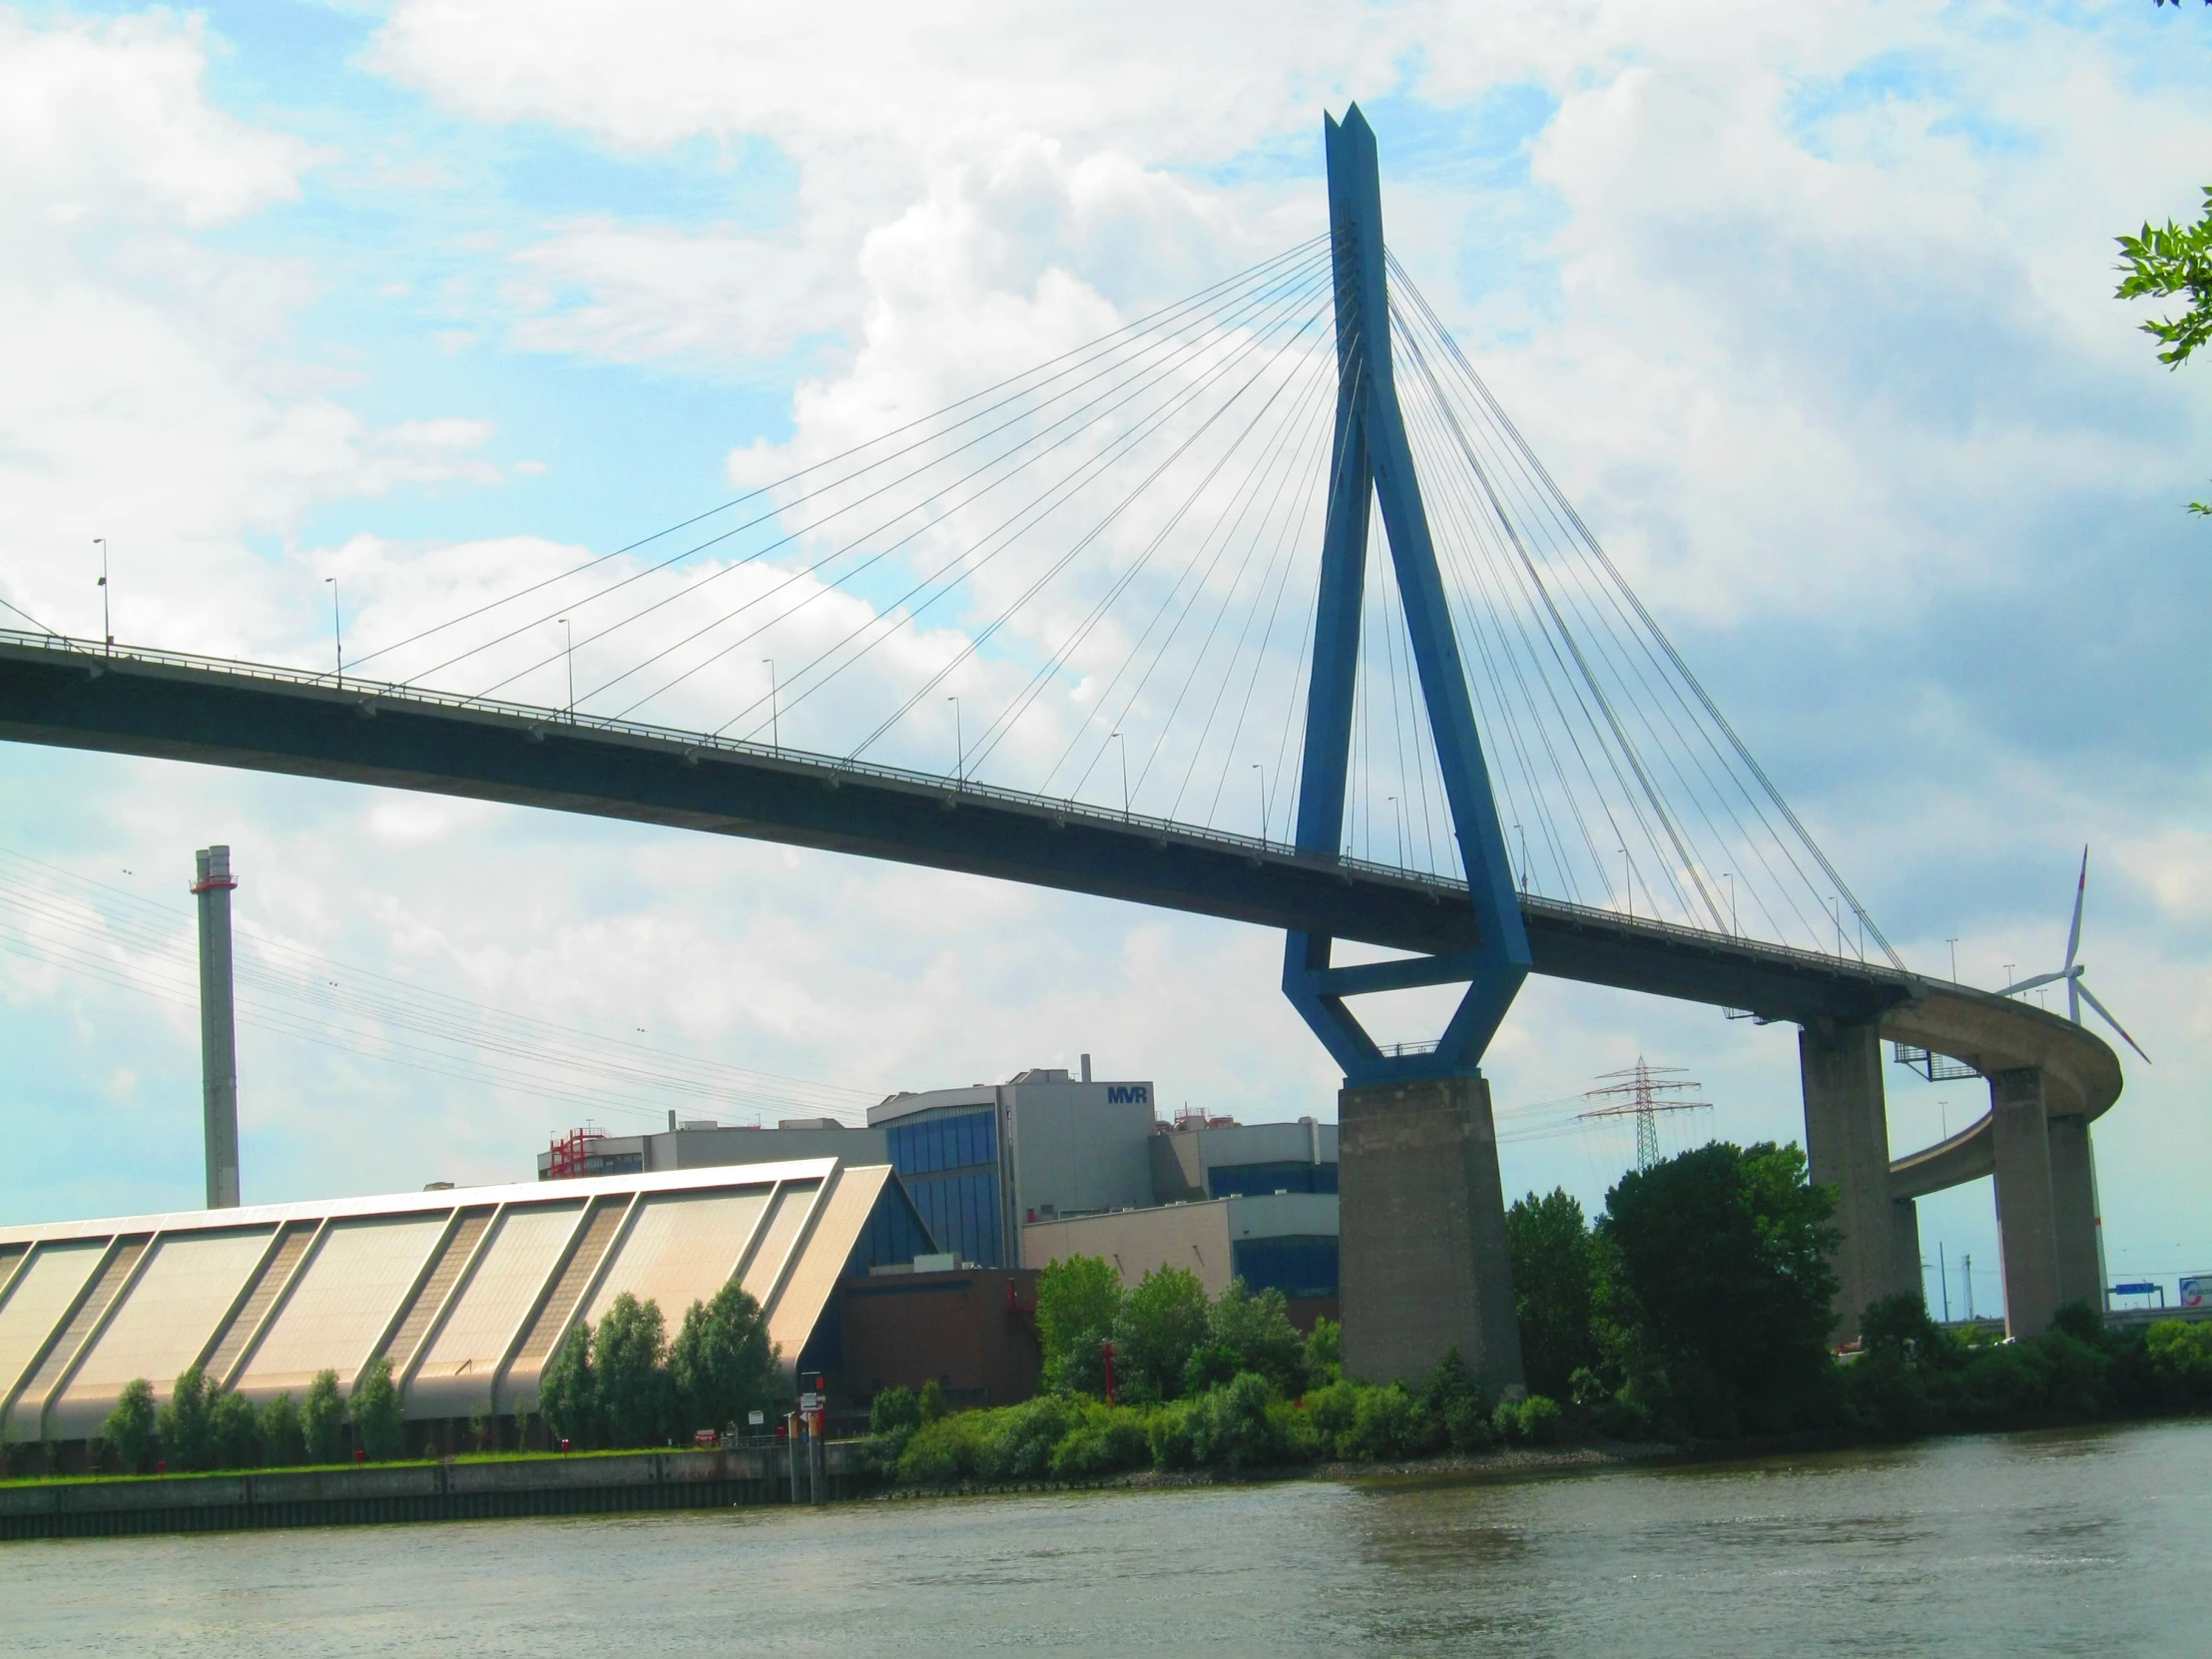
<point>1162,1322</point>
<point>1256,1333</point>
<point>721,1363</point>
<point>627,1355</point>
<point>323,1419</point>
<point>235,1429</point>
<point>1720,1288</point>
<point>568,1392</point>
<point>283,1439</point>
<point>2165,260</point>
<point>376,1411</point>
<point>131,1425</point>
<point>1078,1298</point>
<point>1554,1272</point>
<point>187,1426</point>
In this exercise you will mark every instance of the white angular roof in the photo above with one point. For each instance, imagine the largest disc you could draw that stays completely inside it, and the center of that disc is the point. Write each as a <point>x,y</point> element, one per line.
<point>467,1290</point>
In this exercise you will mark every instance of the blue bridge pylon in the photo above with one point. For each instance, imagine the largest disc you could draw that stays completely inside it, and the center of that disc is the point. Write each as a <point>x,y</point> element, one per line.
<point>1373,464</point>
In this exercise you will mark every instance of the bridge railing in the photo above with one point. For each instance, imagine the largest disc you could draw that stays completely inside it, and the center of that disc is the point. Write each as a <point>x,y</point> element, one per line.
<point>327,680</point>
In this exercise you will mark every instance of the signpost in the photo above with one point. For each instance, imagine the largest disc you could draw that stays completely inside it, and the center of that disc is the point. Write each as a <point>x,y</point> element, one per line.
<point>2196,1290</point>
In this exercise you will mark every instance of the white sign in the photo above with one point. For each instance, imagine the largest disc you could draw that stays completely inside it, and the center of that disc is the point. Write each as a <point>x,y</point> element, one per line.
<point>755,1419</point>
<point>809,1402</point>
<point>2196,1292</point>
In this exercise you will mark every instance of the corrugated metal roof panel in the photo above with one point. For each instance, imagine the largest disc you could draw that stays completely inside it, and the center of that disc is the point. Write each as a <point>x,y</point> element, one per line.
<point>167,1318</point>
<point>764,1270</point>
<point>682,1249</point>
<point>40,1300</point>
<point>457,1370</point>
<point>814,1274</point>
<point>349,1292</point>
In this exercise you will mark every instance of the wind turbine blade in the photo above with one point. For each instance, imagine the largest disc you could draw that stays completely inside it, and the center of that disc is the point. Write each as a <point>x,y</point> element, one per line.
<point>2031,984</point>
<point>2073,997</point>
<point>2090,997</point>
<point>2081,891</point>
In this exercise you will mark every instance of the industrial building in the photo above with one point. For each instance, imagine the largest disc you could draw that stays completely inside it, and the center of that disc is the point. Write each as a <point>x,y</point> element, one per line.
<point>702,1143</point>
<point>467,1292</point>
<point>982,1161</point>
<point>1283,1242</point>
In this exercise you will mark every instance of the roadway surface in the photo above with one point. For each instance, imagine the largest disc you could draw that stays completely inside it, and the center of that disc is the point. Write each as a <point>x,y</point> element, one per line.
<point>74,694</point>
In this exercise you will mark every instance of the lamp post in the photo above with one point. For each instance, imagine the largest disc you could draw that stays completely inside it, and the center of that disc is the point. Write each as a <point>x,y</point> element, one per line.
<point>1263,781</point>
<point>1116,737</point>
<point>568,650</point>
<point>959,744</point>
<point>775,720</point>
<point>337,637</point>
<point>107,628</point>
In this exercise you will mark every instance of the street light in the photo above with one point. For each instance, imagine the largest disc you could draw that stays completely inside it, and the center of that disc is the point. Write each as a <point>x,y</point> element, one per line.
<point>568,630</point>
<point>775,720</point>
<point>959,744</point>
<point>1116,737</point>
<point>337,638</point>
<point>107,628</point>
<point>1263,771</point>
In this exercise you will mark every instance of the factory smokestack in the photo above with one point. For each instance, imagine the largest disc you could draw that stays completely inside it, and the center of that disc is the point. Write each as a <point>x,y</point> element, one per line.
<point>219,1055</point>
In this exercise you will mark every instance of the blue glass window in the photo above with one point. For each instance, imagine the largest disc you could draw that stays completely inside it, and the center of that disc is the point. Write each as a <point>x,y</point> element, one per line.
<point>1296,1267</point>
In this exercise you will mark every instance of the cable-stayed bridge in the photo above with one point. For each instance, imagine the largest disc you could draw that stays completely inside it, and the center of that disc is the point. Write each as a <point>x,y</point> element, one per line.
<point>1257,607</point>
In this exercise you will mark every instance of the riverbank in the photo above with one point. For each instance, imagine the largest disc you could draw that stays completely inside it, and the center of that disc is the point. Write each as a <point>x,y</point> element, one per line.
<point>448,1489</point>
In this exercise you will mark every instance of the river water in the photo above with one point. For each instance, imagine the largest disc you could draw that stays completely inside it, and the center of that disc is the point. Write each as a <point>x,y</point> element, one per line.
<point>2095,1541</point>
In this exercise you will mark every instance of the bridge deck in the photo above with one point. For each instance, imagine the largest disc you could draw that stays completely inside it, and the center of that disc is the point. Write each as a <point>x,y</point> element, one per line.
<point>169,706</point>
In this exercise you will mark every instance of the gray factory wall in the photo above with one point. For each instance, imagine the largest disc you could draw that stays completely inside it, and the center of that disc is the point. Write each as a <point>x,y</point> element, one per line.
<point>1079,1146</point>
<point>709,1147</point>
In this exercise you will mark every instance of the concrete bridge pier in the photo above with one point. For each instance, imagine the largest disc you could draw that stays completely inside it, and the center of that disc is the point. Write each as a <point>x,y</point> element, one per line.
<point>1846,1146</point>
<point>2074,1212</point>
<point>1906,1273</point>
<point>2028,1211</point>
<point>1423,1263</point>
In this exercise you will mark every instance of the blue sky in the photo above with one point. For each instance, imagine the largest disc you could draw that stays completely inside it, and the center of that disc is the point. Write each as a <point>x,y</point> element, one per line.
<point>1810,313</point>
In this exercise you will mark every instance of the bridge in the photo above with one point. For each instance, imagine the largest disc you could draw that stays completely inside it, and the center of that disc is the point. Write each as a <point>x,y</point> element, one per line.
<point>1425,1264</point>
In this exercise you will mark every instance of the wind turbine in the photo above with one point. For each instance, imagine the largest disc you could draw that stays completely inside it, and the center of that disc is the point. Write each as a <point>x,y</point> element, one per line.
<point>2077,990</point>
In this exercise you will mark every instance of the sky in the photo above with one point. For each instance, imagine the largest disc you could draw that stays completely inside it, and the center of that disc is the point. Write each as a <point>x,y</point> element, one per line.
<point>1808,309</point>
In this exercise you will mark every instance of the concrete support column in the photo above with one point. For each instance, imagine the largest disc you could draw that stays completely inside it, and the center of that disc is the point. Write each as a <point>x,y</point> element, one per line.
<point>1846,1146</point>
<point>2028,1226</point>
<point>2074,1213</point>
<point>1905,1276</point>
<point>1423,1264</point>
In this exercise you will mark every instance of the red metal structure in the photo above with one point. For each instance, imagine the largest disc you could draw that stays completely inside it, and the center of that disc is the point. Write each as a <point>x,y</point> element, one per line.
<point>572,1153</point>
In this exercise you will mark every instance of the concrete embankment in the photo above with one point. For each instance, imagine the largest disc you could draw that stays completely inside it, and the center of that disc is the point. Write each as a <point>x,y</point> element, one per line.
<point>378,1494</point>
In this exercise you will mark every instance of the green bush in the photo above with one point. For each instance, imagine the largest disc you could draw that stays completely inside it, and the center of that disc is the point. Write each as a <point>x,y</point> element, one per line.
<point>1016,1444</point>
<point>323,1419</point>
<point>1230,1427</point>
<point>1387,1423</point>
<point>284,1442</point>
<point>1255,1334</point>
<point>1539,1420</point>
<point>1325,1353</point>
<point>945,1452</point>
<point>1330,1409</point>
<point>1458,1408</point>
<point>1554,1263</point>
<point>2180,1361</point>
<point>131,1427</point>
<point>1885,1394</point>
<point>895,1410</point>
<point>930,1402</point>
<point>188,1422</point>
<point>376,1410</point>
<point>1105,1441</point>
<point>235,1431</point>
<point>1174,1445</point>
